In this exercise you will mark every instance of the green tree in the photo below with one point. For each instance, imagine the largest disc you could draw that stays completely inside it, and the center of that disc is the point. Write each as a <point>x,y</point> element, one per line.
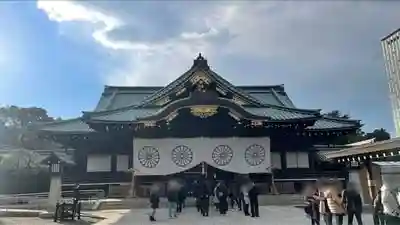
<point>379,135</point>
<point>14,122</point>
<point>337,114</point>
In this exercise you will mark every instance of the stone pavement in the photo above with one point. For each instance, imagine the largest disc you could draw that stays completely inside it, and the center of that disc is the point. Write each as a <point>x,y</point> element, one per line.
<point>33,221</point>
<point>270,215</point>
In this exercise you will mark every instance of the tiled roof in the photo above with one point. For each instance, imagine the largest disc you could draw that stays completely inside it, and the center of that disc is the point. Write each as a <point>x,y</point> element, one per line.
<point>124,97</point>
<point>71,126</point>
<point>125,115</point>
<point>280,113</point>
<point>78,126</point>
<point>332,123</point>
<point>121,97</point>
<point>390,144</point>
<point>39,154</point>
<point>133,113</point>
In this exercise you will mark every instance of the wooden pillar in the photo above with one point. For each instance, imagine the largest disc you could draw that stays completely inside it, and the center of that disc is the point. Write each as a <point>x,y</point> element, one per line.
<point>371,179</point>
<point>273,186</point>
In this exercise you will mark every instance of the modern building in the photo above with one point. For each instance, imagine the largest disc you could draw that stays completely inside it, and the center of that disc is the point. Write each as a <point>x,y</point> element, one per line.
<point>200,126</point>
<point>391,54</point>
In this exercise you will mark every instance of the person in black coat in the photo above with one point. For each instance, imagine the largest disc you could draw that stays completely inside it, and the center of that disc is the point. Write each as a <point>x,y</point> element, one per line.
<point>154,201</point>
<point>181,198</point>
<point>222,195</point>
<point>253,197</point>
<point>353,203</point>
<point>197,195</point>
<point>204,196</point>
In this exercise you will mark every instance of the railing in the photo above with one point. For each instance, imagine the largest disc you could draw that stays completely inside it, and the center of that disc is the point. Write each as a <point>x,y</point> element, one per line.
<point>33,200</point>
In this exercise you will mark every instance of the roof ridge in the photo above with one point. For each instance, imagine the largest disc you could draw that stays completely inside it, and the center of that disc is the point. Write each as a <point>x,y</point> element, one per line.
<point>340,119</point>
<point>289,108</point>
<point>277,97</point>
<point>58,122</point>
<point>234,88</point>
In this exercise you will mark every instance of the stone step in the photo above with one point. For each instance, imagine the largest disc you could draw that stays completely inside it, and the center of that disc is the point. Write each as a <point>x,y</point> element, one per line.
<point>190,202</point>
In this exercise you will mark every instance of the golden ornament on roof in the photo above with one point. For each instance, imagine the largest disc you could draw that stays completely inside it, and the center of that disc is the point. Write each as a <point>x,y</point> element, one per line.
<point>204,111</point>
<point>200,77</point>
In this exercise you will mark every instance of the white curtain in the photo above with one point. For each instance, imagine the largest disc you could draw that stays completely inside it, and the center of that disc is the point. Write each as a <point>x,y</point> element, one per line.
<point>297,160</point>
<point>291,160</point>
<point>122,163</point>
<point>276,160</point>
<point>302,160</point>
<point>173,155</point>
<point>98,163</point>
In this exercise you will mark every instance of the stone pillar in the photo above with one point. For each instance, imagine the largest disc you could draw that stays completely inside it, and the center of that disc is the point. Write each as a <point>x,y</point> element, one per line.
<point>55,186</point>
<point>132,188</point>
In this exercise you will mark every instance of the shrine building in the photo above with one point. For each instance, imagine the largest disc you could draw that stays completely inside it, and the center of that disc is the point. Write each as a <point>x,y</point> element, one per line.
<point>199,125</point>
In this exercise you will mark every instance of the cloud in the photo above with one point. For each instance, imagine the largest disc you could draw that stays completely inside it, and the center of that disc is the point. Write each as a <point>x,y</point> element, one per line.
<point>330,48</point>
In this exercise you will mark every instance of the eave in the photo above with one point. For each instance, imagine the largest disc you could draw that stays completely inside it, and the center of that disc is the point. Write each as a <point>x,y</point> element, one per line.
<point>270,113</point>
<point>369,151</point>
<point>70,126</point>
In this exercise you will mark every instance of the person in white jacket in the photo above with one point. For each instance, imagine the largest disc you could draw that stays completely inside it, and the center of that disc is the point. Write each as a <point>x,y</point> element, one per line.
<point>391,207</point>
<point>246,200</point>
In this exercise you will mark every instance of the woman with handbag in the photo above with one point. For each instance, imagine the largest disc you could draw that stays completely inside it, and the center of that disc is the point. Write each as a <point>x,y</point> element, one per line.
<point>335,204</point>
<point>311,208</point>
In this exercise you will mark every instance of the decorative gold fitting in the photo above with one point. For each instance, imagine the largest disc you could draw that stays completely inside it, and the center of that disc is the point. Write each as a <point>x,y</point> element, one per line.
<point>171,116</point>
<point>162,101</point>
<point>204,111</point>
<point>149,123</point>
<point>234,116</point>
<point>221,91</point>
<point>256,123</point>
<point>181,91</point>
<point>200,76</point>
<point>238,101</point>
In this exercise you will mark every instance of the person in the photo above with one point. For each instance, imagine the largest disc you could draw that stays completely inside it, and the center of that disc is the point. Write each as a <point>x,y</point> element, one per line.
<point>77,198</point>
<point>353,204</point>
<point>233,196</point>
<point>154,201</point>
<point>222,195</point>
<point>197,195</point>
<point>181,198</point>
<point>253,197</point>
<point>378,216</point>
<point>335,203</point>
<point>391,206</point>
<point>245,200</point>
<point>237,196</point>
<point>215,197</point>
<point>204,196</point>
<point>312,206</point>
<point>172,196</point>
<point>323,203</point>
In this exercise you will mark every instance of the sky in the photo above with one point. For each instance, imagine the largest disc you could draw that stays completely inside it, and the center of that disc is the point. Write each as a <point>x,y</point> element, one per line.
<point>59,54</point>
